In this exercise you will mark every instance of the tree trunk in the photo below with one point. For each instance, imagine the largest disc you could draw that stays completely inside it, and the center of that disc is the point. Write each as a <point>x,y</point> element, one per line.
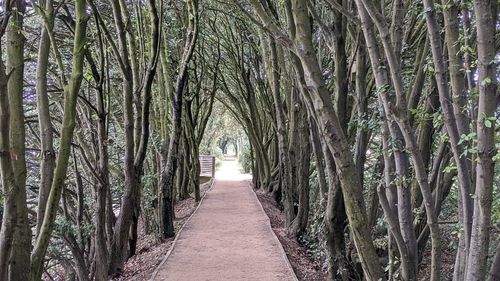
<point>319,160</point>
<point>19,262</point>
<point>68,126</point>
<point>485,170</point>
<point>129,199</point>
<point>335,222</point>
<point>337,144</point>
<point>167,174</point>
<point>299,224</point>
<point>494,273</point>
<point>47,164</point>
<point>281,131</point>
<point>102,183</point>
<point>10,188</point>
<point>449,113</point>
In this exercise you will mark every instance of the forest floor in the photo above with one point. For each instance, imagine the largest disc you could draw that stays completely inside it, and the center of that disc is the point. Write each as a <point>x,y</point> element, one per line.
<point>305,268</point>
<point>151,251</point>
<point>228,238</point>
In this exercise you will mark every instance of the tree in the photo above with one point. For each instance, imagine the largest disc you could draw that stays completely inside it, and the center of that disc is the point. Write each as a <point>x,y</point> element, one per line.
<point>373,125</point>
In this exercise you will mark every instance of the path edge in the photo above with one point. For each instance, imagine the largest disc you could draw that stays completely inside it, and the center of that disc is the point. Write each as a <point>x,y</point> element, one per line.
<point>285,257</point>
<point>178,234</point>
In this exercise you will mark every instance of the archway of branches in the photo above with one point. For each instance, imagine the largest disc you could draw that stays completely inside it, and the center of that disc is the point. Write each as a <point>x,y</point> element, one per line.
<point>373,124</point>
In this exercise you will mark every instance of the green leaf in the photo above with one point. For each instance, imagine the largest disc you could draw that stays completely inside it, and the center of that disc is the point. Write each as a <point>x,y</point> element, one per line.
<point>486,81</point>
<point>487,123</point>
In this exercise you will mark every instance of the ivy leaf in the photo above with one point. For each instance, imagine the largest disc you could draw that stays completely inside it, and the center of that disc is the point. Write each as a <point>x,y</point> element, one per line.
<point>487,123</point>
<point>486,81</point>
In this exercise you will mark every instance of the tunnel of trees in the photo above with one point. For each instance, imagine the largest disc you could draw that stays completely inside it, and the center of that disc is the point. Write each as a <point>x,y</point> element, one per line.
<point>373,124</point>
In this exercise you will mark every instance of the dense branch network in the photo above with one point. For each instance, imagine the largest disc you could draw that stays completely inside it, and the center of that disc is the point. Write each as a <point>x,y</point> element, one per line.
<point>373,125</point>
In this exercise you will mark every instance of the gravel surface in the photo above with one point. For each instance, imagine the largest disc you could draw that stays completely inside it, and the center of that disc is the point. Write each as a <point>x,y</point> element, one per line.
<point>151,251</point>
<point>305,268</point>
<point>228,238</point>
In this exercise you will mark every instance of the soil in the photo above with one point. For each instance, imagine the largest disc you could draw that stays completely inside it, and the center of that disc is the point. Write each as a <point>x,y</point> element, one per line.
<point>151,251</point>
<point>305,268</point>
<point>228,238</point>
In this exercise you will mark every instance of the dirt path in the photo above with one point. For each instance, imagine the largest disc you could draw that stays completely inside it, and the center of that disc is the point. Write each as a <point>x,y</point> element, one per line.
<point>228,238</point>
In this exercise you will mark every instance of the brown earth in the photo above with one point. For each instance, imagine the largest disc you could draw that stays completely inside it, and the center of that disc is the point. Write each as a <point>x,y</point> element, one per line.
<point>305,268</point>
<point>151,251</point>
<point>228,238</point>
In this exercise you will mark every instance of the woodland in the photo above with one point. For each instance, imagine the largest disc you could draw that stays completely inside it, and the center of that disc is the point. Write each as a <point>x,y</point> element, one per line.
<point>374,125</point>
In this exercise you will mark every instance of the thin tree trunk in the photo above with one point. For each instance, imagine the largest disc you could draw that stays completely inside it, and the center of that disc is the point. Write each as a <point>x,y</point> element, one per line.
<point>398,112</point>
<point>337,144</point>
<point>281,131</point>
<point>68,125</point>
<point>486,16</point>
<point>192,144</point>
<point>449,114</point>
<point>101,260</point>
<point>9,185</point>
<point>494,273</point>
<point>407,272</point>
<point>319,159</point>
<point>335,222</point>
<point>19,263</point>
<point>304,160</point>
<point>47,164</point>
<point>128,203</point>
<point>142,118</point>
<point>167,174</point>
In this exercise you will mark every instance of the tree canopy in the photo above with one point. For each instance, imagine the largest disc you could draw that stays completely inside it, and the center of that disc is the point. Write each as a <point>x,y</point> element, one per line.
<point>373,124</point>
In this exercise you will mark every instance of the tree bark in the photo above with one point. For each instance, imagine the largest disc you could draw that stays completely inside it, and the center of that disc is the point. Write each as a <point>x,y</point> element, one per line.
<point>397,112</point>
<point>486,16</point>
<point>168,172</point>
<point>449,114</point>
<point>47,164</point>
<point>10,188</point>
<point>129,199</point>
<point>281,131</point>
<point>68,126</point>
<point>494,273</point>
<point>299,224</point>
<point>337,144</point>
<point>19,262</point>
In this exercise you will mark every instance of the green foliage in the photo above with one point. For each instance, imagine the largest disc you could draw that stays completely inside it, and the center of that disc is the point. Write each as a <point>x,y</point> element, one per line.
<point>150,201</point>
<point>65,227</point>
<point>495,218</point>
<point>245,158</point>
<point>149,198</point>
<point>313,238</point>
<point>223,128</point>
<point>489,121</point>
